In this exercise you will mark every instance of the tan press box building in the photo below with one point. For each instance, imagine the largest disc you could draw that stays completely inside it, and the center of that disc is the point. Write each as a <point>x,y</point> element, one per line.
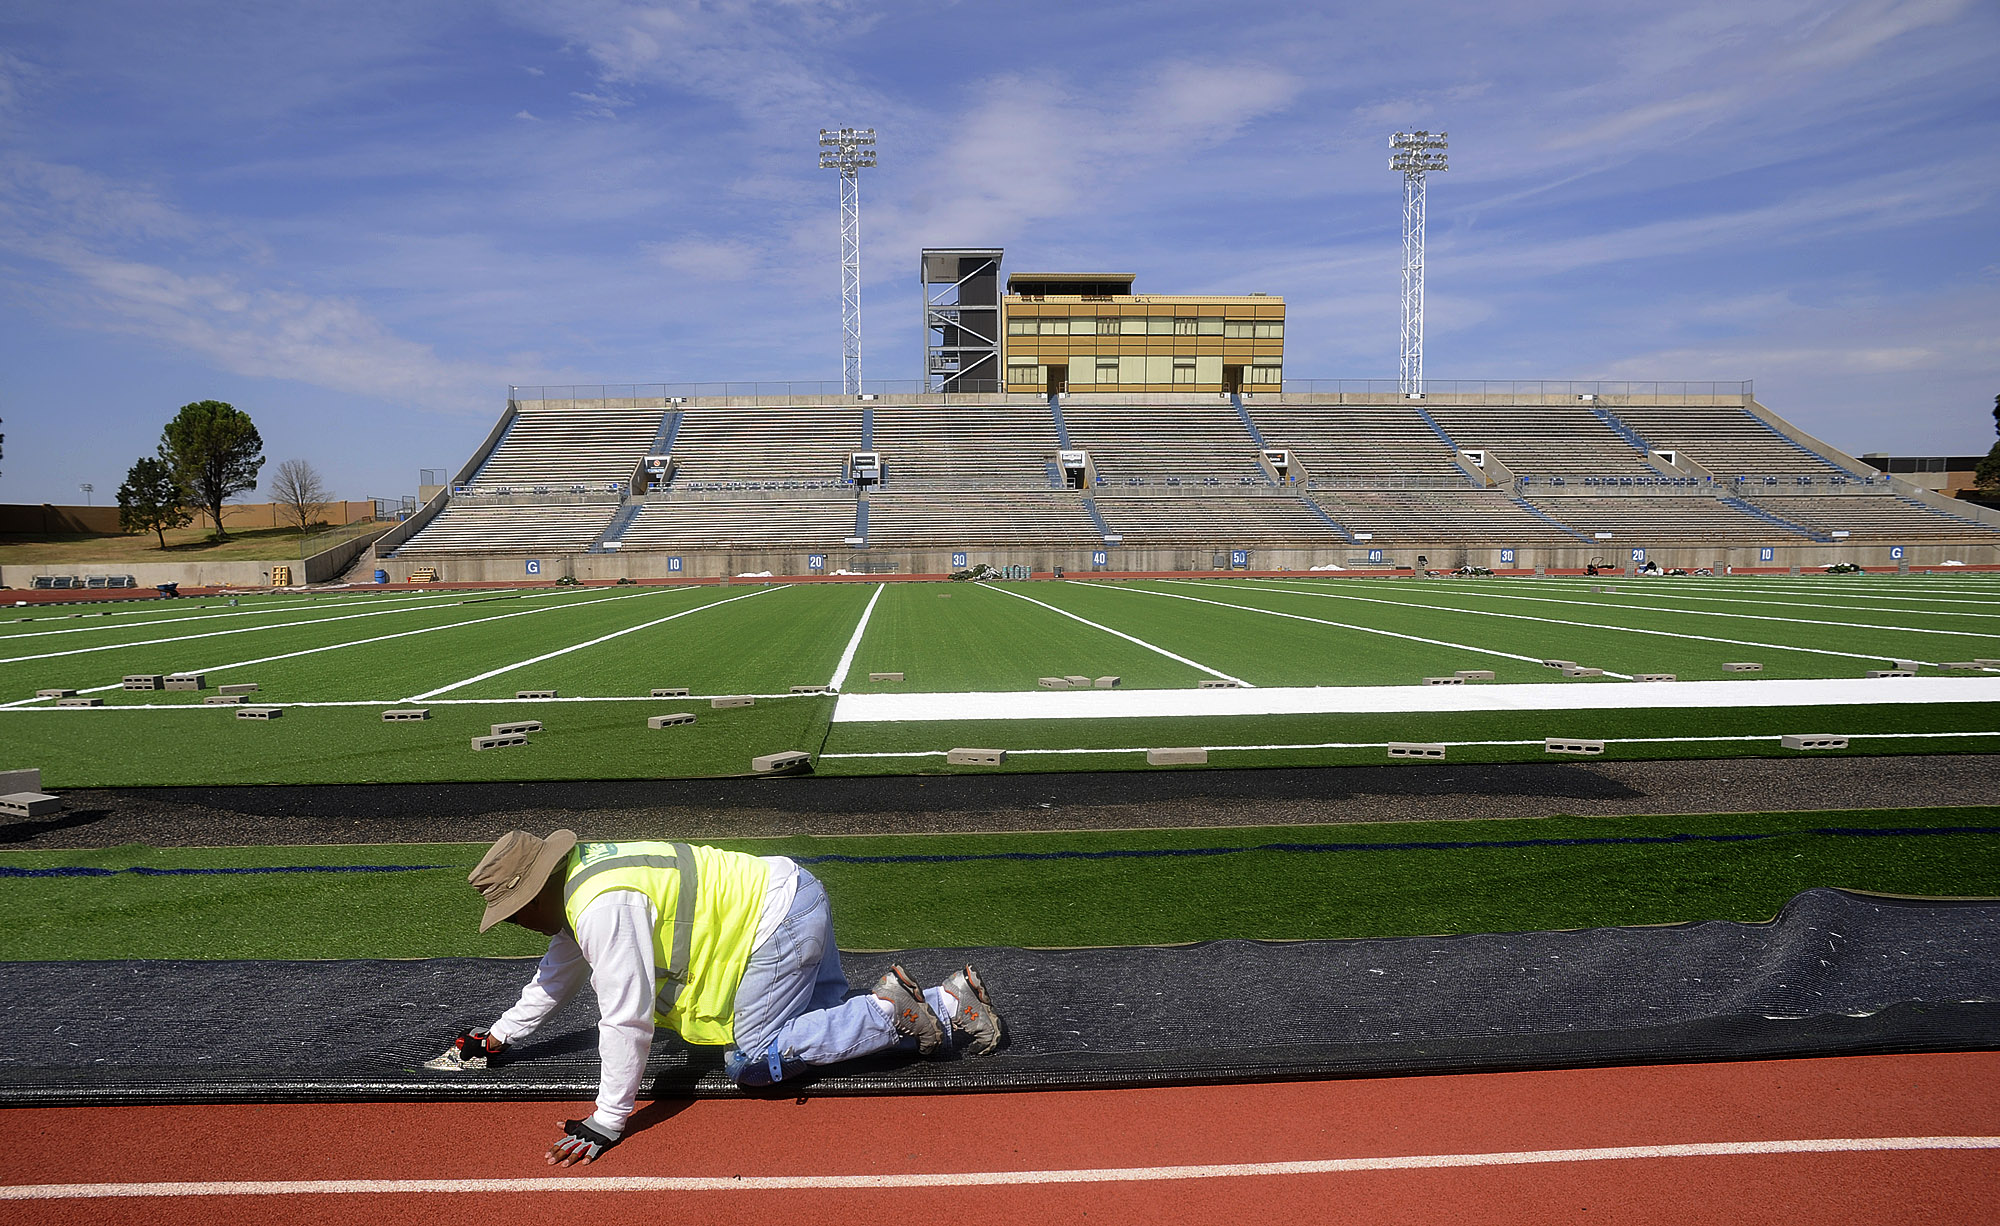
<point>1075,331</point>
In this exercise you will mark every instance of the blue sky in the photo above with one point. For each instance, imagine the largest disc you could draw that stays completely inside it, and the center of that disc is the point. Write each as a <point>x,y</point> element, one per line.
<point>361,221</point>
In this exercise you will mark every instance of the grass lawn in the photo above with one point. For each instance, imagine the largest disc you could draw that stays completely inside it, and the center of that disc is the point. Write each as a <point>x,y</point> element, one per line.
<point>183,545</point>
<point>1092,888</point>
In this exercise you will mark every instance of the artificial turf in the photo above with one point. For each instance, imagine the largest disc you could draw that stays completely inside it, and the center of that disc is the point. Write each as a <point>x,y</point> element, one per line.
<point>1067,889</point>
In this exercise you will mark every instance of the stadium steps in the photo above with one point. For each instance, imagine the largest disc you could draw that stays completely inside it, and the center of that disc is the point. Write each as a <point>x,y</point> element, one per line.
<point>1438,430</point>
<point>1538,513</point>
<point>1055,475</point>
<point>1243,411</point>
<point>1096,520</point>
<point>1062,427</point>
<point>1623,431</point>
<point>861,520</point>
<point>1329,520</point>
<point>1752,509</point>
<point>499,445</point>
<point>1915,505</point>
<point>868,427</point>
<point>615,530</point>
<point>1801,448</point>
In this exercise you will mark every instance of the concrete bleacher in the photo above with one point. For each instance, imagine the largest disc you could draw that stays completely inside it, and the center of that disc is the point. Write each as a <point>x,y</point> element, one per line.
<point>965,447</point>
<point>1688,517</point>
<point>1726,440</point>
<point>944,520</point>
<point>1196,520</point>
<point>1443,516</point>
<point>1164,444</point>
<point>557,449</point>
<point>1359,442</point>
<point>1879,517</point>
<point>1540,440</point>
<point>725,447</point>
<point>805,523</point>
<point>476,526</point>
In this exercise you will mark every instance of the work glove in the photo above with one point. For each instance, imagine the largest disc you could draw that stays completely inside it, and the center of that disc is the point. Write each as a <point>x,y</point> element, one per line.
<point>581,1143</point>
<point>473,1049</point>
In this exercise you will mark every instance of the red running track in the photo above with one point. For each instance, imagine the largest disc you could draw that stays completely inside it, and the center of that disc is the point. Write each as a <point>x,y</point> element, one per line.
<point>1859,1099</point>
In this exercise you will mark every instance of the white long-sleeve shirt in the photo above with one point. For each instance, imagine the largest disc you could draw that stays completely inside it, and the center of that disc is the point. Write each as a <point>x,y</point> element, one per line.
<point>612,947</point>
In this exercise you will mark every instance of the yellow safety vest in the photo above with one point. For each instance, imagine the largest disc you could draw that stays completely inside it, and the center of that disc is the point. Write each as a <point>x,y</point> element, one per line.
<point>708,902</point>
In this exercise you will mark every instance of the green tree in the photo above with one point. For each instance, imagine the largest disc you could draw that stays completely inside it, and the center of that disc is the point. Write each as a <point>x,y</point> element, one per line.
<point>1987,475</point>
<point>216,451</point>
<point>153,499</point>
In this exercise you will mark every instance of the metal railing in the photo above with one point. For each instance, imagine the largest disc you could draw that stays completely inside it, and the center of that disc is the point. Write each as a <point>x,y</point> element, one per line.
<point>1522,390</point>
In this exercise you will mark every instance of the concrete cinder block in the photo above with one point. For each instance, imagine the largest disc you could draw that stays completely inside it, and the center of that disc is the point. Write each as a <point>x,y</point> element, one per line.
<point>144,681</point>
<point>1812,740</point>
<point>187,681</point>
<point>1219,683</point>
<point>1444,681</point>
<point>1559,744</point>
<point>499,742</point>
<point>238,687</point>
<point>1890,672</point>
<point>975,757</point>
<point>536,694</point>
<point>55,693</point>
<point>1558,663</point>
<point>671,691</point>
<point>1745,666</point>
<point>222,700</point>
<point>812,689</point>
<point>1959,666</point>
<point>79,702</point>
<point>401,714</point>
<point>1077,682</point>
<point>1912,665</point>
<point>1415,749</point>
<point>790,759</point>
<point>1474,674</point>
<point>732,700</point>
<point>1984,662</point>
<point>885,676</point>
<point>259,712</point>
<point>1654,677</point>
<point>26,780</point>
<point>669,721</point>
<point>1580,671</point>
<point>519,726</point>
<point>1176,757</point>
<point>1108,683</point>
<point>30,804</point>
<point>1053,683</point>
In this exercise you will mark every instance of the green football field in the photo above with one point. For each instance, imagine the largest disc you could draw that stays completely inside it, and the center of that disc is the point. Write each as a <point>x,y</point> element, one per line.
<point>1322,671</point>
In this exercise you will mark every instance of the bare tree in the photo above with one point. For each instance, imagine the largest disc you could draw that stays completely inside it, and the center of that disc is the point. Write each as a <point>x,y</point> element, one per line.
<point>299,489</point>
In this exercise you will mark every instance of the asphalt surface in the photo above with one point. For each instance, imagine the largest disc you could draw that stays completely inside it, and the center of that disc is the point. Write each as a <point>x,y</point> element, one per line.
<point>724,808</point>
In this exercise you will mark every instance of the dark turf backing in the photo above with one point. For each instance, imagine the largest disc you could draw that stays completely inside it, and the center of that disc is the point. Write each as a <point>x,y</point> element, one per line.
<point>1835,973</point>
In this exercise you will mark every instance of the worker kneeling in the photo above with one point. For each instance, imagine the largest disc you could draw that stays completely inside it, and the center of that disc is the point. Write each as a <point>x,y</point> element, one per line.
<point>728,949</point>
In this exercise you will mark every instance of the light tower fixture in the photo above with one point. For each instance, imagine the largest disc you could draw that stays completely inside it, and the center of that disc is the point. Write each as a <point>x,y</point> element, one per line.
<point>849,150</point>
<point>1414,154</point>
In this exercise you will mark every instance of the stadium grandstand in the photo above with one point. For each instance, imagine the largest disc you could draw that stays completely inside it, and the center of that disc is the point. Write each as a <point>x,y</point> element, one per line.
<point>655,481</point>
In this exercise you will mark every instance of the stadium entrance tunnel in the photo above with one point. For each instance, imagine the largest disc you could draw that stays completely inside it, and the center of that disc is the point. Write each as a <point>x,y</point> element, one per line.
<point>1834,973</point>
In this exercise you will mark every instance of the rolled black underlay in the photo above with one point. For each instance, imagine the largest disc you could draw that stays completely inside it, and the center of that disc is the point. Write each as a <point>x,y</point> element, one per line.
<point>1835,973</point>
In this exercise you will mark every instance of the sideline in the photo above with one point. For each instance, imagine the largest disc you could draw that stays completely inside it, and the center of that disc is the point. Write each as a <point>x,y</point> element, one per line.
<point>854,644</point>
<point>1623,740</point>
<point>589,1184</point>
<point>1152,647</point>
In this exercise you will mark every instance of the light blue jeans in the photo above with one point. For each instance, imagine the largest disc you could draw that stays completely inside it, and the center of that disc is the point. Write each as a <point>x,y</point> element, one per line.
<point>792,1006</point>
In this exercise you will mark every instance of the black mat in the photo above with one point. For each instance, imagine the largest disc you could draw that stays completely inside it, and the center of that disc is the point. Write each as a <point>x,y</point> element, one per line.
<point>1836,973</point>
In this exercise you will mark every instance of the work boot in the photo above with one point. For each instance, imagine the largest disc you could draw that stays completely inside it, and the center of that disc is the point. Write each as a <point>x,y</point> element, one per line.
<point>914,1016</point>
<point>972,1012</point>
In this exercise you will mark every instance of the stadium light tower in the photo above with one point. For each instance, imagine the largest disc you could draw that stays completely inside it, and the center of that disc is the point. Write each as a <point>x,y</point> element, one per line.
<point>848,150</point>
<point>1414,153</point>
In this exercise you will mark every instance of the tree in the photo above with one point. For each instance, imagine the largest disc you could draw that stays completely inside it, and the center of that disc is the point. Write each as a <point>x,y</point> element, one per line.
<point>1987,475</point>
<point>300,490</point>
<point>216,451</point>
<point>153,499</point>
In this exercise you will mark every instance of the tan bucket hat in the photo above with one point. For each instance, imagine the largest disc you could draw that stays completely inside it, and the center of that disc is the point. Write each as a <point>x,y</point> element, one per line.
<point>514,870</point>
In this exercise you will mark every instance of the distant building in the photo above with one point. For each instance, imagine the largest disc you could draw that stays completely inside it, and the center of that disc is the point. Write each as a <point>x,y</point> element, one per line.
<point>1083,330</point>
<point>1947,474</point>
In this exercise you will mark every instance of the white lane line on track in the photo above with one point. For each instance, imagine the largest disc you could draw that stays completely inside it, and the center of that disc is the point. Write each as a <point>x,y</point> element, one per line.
<point>602,638</point>
<point>1627,740</point>
<point>854,644</point>
<point>1692,595</point>
<point>590,1184</point>
<point>312,651</point>
<point>1319,621</point>
<point>1775,595</point>
<point>1152,647</point>
<point>1558,621</point>
<point>1489,594</point>
<point>1533,697</point>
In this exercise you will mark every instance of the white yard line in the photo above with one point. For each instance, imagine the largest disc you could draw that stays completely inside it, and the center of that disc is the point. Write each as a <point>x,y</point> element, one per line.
<point>196,617</point>
<point>1152,647</point>
<point>1320,621</point>
<point>1774,591</point>
<point>1481,591</point>
<point>386,702</point>
<point>587,1184</point>
<point>854,644</point>
<point>1623,740</point>
<point>1558,621</point>
<point>313,651</point>
<point>1374,699</point>
<point>603,638</point>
